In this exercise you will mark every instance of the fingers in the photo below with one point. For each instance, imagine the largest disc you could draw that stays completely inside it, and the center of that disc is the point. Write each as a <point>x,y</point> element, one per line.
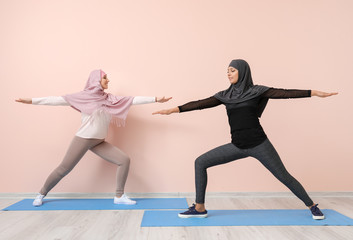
<point>24,100</point>
<point>162,112</point>
<point>164,99</point>
<point>329,94</point>
<point>20,100</point>
<point>325,94</point>
<point>158,112</point>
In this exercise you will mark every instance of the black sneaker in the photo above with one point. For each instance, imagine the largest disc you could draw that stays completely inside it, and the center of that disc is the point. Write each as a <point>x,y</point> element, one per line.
<point>317,214</point>
<point>192,213</point>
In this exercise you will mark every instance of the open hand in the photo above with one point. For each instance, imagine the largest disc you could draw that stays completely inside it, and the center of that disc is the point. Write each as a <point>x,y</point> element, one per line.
<point>163,99</point>
<point>322,94</point>
<point>24,100</point>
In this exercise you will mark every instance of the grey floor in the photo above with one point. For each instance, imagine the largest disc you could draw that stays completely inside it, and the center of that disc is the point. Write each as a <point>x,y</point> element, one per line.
<point>125,224</point>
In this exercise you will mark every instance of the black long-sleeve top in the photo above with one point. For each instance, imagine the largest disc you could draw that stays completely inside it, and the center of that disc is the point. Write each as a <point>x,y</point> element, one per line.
<point>243,117</point>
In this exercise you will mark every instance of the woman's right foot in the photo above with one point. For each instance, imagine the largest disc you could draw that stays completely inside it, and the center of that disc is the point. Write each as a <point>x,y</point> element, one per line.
<point>193,213</point>
<point>316,213</point>
<point>124,200</point>
<point>38,201</point>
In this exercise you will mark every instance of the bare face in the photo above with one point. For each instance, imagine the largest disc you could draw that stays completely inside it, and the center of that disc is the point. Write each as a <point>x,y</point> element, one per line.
<point>233,75</point>
<point>104,82</point>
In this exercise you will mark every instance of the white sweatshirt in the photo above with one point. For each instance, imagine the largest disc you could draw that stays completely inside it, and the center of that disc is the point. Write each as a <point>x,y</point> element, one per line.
<point>90,128</point>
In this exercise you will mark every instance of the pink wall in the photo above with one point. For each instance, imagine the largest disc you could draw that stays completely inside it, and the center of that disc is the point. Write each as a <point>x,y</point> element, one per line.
<point>179,49</point>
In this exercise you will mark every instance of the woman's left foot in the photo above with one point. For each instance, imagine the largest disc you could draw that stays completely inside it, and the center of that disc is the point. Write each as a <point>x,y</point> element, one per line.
<point>124,200</point>
<point>38,201</point>
<point>316,213</point>
<point>193,213</point>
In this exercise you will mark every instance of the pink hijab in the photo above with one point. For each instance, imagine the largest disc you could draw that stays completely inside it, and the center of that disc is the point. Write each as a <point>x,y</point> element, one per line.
<point>93,99</point>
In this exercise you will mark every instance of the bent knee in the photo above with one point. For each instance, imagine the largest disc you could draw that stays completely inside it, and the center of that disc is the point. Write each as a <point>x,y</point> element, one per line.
<point>125,160</point>
<point>200,162</point>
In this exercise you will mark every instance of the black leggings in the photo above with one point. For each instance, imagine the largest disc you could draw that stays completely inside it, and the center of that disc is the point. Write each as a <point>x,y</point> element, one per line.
<point>264,152</point>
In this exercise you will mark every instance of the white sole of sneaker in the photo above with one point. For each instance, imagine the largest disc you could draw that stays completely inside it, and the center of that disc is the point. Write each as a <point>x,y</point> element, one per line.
<point>125,203</point>
<point>318,217</point>
<point>192,216</point>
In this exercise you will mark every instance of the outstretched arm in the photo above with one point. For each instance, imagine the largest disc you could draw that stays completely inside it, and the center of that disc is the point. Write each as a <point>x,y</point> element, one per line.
<point>53,101</point>
<point>278,93</point>
<point>194,105</point>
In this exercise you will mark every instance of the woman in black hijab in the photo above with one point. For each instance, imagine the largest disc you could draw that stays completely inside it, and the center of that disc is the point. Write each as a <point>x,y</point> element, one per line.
<point>245,103</point>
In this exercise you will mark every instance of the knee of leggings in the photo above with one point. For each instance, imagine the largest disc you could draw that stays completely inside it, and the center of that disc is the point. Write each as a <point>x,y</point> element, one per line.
<point>126,160</point>
<point>199,162</point>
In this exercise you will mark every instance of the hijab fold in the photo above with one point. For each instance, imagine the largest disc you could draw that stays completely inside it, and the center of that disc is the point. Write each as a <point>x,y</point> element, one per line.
<point>244,89</point>
<point>94,101</point>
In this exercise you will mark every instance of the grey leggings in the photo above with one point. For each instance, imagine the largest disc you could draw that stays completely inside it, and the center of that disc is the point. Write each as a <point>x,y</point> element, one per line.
<point>78,148</point>
<point>264,152</point>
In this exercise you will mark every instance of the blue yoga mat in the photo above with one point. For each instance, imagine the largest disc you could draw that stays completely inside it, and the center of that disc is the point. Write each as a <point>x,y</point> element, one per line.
<point>245,218</point>
<point>98,204</point>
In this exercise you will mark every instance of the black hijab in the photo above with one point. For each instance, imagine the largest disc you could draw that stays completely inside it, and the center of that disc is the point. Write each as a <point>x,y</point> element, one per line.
<point>244,89</point>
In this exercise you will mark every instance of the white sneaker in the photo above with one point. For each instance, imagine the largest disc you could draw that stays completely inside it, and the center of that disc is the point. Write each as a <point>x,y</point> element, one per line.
<point>38,201</point>
<point>124,200</point>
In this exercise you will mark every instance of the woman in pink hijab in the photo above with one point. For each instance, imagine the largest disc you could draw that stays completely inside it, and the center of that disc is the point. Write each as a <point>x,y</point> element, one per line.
<point>98,109</point>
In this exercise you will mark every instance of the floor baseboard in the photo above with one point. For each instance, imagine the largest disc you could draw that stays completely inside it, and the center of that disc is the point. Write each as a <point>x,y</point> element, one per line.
<point>178,194</point>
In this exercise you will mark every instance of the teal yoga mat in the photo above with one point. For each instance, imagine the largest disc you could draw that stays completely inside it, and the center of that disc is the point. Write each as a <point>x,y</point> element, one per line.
<point>98,204</point>
<point>245,218</point>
